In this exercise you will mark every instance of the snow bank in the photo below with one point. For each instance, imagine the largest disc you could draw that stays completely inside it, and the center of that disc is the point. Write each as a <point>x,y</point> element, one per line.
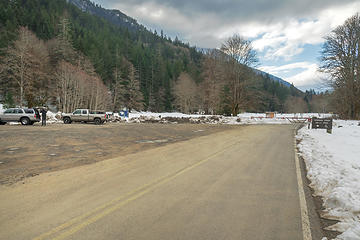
<point>243,118</point>
<point>333,164</point>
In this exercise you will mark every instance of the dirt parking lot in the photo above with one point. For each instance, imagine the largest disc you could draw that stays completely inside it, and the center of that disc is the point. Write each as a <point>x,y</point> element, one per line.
<point>26,151</point>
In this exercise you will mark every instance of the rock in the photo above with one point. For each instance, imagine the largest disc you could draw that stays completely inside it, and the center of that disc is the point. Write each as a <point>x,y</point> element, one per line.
<point>161,141</point>
<point>13,149</point>
<point>215,118</point>
<point>176,119</point>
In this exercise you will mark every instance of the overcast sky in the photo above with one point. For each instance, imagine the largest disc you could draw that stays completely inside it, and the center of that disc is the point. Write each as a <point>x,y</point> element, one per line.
<point>287,34</point>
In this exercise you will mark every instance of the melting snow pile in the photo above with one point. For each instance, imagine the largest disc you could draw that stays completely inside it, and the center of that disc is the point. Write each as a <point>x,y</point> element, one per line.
<point>333,164</point>
<point>181,118</point>
<point>53,117</point>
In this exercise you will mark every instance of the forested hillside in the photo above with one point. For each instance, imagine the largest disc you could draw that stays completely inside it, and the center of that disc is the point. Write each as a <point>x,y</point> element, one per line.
<point>73,58</point>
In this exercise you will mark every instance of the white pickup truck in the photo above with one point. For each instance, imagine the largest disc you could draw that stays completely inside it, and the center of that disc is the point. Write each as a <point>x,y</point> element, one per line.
<point>84,115</point>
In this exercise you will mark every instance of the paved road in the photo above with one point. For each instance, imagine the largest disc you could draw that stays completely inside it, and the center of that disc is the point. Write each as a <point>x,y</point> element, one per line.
<point>236,184</point>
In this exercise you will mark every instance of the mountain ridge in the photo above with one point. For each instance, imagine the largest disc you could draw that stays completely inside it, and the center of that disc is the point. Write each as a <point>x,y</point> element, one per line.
<point>273,77</point>
<point>114,16</point>
<point>120,19</point>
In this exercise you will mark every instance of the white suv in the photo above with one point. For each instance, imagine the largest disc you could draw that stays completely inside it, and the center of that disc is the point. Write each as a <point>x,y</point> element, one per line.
<point>26,116</point>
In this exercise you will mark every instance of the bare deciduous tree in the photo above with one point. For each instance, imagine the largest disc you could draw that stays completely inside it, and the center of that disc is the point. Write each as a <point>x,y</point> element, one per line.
<point>25,63</point>
<point>185,91</point>
<point>240,50</point>
<point>295,105</point>
<point>77,89</point>
<point>322,103</point>
<point>341,60</point>
<point>212,84</point>
<point>65,79</point>
<point>135,100</point>
<point>239,56</point>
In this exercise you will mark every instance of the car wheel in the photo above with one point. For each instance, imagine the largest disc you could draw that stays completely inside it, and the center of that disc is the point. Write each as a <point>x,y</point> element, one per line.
<point>97,121</point>
<point>25,121</point>
<point>67,120</point>
<point>2,123</point>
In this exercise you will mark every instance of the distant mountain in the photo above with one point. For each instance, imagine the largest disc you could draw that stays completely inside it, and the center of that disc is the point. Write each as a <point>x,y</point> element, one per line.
<point>120,19</point>
<point>272,77</point>
<point>112,15</point>
<point>257,71</point>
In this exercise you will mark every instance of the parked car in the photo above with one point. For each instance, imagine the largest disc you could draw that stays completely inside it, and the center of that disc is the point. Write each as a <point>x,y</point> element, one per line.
<point>26,116</point>
<point>84,115</point>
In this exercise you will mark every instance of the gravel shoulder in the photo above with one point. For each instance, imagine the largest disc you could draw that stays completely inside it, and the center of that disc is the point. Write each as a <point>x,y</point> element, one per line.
<point>27,151</point>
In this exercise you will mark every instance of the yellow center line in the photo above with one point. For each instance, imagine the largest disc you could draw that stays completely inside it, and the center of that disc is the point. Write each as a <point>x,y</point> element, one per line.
<point>117,203</point>
<point>79,218</point>
<point>120,204</point>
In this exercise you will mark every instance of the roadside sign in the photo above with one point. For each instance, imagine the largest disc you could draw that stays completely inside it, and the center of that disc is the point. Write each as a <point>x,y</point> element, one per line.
<point>322,123</point>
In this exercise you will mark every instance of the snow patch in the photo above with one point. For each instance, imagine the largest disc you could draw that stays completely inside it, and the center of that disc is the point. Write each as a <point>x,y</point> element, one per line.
<point>333,165</point>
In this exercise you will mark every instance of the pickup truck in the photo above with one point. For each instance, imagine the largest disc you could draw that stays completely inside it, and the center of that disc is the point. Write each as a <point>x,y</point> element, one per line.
<point>26,116</point>
<point>84,115</point>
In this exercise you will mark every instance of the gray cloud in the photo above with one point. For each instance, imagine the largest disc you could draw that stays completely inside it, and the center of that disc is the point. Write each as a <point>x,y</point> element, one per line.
<point>239,10</point>
<point>206,22</point>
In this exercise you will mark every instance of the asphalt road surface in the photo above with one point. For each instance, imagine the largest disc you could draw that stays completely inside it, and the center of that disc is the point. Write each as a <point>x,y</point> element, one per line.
<point>239,183</point>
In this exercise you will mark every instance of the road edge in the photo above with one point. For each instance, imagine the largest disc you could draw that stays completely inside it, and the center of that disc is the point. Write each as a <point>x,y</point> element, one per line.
<point>305,221</point>
<point>314,203</point>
